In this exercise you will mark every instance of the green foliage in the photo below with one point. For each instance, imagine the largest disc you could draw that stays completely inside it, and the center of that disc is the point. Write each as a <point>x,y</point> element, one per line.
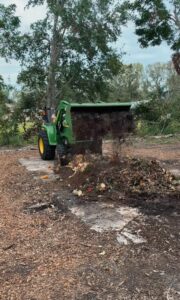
<point>127,85</point>
<point>8,126</point>
<point>70,51</point>
<point>9,32</point>
<point>155,117</point>
<point>159,113</point>
<point>134,83</point>
<point>12,140</point>
<point>156,81</point>
<point>69,55</point>
<point>157,21</point>
<point>26,112</point>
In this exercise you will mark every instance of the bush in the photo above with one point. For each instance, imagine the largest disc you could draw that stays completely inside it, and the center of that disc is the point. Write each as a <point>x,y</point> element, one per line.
<point>8,126</point>
<point>158,117</point>
<point>17,127</point>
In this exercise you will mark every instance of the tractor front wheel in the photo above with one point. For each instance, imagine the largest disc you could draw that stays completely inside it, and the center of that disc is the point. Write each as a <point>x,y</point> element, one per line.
<point>46,151</point>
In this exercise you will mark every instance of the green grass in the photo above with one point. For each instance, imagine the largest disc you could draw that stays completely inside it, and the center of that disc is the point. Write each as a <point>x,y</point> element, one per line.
<point>152,132</point>
<point>17,141</point>
<point>145,128</point>
<point>14,141</point>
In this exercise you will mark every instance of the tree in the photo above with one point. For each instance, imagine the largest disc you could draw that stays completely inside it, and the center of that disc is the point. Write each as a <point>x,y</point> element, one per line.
<point>161,82</point>
<point>69,52</point>
<point>158,82</point>
<point>161,113</point>
<point>9,32</point>
<point>173,83</point>
<point>1,83</point>
<point>155,81</point>
<point>157,21</point>
<point>127,85</point>
<point>7,125</point>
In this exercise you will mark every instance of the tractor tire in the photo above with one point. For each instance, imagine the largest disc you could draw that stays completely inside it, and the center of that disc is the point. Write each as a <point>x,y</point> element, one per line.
<point>46,151</point>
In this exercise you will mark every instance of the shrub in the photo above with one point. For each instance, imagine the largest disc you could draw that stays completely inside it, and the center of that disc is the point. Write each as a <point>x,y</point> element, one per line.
<point>158,117</point>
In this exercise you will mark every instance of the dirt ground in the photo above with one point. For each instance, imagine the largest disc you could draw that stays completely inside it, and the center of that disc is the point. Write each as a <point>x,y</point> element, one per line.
<point>51,254</point>
<point>166,150</point>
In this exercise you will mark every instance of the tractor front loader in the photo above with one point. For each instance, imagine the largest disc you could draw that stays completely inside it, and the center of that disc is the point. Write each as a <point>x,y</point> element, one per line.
<point>84,126</point>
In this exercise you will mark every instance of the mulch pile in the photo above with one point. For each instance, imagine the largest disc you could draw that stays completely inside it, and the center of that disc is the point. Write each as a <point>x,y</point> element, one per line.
<point>114,178</point>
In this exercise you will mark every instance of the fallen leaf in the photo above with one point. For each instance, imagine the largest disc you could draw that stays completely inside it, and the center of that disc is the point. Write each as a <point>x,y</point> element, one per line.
<point>44,177</point>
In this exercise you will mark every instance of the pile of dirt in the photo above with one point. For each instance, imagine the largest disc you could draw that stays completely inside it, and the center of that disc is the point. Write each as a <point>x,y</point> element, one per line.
<point>113,178</point>
<point>97,125</point>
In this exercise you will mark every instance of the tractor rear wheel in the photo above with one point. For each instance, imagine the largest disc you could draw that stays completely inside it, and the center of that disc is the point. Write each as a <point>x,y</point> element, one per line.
<point>47,152</point>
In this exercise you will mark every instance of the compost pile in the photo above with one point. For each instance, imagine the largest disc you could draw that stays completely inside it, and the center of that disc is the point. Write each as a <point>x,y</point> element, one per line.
<point>127,176</point>
<point>97,125</point>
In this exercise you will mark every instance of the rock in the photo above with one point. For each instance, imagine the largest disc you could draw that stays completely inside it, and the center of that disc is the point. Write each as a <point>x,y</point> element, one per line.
<point>176,182</point>
<point>122,240</point>
<point>78,193</point>
<point>175,173</point>
<point>136,239</point>
<point>101,187</point>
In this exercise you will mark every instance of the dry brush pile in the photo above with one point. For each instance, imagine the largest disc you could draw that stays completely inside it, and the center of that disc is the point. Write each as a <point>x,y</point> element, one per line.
<point>99,177</point>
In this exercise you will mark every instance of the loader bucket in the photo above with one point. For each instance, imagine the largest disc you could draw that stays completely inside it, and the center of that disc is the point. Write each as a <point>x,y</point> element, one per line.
<point>97,121</point>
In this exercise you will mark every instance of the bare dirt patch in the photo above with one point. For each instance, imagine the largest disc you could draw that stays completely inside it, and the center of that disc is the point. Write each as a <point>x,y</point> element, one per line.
<point>147,149</point>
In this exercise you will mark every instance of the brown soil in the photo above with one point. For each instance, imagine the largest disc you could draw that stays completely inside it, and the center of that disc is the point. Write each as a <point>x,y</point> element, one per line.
<point>51,254</point>
<point>157,151</point>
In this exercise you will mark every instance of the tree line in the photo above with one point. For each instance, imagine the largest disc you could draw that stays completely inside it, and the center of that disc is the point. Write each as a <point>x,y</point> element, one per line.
<point>70,54</point>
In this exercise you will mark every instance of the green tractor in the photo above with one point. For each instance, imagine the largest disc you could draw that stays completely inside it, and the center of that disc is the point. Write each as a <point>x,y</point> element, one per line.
<point>83,124</point>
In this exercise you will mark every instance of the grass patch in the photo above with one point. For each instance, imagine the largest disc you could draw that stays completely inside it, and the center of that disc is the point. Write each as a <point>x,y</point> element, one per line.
<point>15,141</point>
<point>145,128</point>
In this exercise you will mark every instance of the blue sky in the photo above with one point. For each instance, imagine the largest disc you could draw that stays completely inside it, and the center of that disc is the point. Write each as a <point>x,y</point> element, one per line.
<point>127,42</point>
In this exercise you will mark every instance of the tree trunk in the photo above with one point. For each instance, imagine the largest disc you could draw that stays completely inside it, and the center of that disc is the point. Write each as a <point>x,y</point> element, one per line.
<point>51,86</point>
